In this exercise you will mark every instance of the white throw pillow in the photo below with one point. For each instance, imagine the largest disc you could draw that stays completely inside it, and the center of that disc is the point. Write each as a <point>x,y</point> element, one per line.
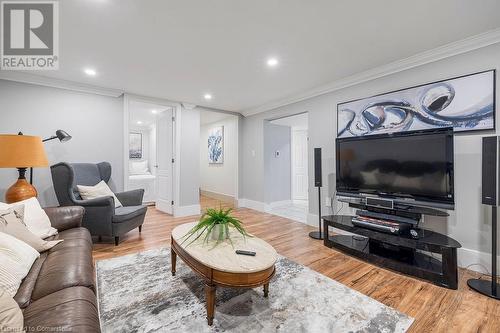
<point>16,259</point>
<point>11,223</point>
<point>35,217</point>
<point>139,167</point>
<point>98,191</point>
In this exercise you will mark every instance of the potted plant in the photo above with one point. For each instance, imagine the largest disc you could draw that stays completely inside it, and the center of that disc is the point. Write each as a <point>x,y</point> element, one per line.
<point>215,224</point>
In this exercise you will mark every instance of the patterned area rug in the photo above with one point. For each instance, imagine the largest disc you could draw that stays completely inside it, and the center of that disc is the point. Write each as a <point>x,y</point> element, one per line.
<point>137,293</point>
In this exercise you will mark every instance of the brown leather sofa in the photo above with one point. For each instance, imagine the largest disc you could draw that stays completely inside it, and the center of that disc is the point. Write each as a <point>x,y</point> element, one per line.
<point>58,294</point>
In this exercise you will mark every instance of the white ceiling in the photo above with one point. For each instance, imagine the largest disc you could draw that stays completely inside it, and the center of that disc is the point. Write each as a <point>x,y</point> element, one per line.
<point>299,121</point>
<point>143,112</point>
<point>209,117</point>
<point>180,50</point>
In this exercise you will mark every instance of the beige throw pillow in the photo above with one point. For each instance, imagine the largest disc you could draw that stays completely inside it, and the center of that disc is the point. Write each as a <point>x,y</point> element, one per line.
<point>35,217</point>
<point>98,191</point>
<point>11,223</point>
<point>11,316</point>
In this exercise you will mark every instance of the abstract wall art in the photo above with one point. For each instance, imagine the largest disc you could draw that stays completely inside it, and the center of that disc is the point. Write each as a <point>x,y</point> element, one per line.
<point>466,103</point>
<point>216,145</point>
<point>135,145</point>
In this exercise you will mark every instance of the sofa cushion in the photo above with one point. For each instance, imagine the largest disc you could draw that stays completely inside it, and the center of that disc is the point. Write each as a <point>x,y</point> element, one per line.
<point>72,237</point>
<point>123,214</point>
<point>68,264</point>
<point>23,295</point>
<point>68,310</point>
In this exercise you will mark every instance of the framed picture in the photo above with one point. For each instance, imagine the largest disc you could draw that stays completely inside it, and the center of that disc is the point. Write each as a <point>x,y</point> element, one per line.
<point>466,103</point>
<point>216,145</point>
<point>135,145</point>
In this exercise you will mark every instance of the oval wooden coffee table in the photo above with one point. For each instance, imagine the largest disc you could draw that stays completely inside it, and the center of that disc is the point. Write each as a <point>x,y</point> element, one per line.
<point>221,266</point>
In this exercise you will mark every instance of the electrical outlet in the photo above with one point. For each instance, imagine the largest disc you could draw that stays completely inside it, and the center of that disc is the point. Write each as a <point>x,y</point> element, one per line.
<point>328,202</point>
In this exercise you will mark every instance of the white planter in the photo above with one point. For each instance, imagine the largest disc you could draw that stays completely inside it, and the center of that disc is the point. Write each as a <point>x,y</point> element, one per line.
<point>215,232</point>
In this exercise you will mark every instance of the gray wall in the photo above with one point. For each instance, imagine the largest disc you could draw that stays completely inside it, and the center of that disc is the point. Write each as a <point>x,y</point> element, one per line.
<point>277,168</point>
<point>95,122</point>
<point>469,223</point>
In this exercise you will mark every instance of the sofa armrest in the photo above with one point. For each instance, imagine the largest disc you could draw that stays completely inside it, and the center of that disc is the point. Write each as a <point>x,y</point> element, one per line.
<point>63,218</point>
<point>131,198</point>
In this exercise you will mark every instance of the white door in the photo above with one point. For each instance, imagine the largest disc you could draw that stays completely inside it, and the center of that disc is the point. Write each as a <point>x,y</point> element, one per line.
<point>299,165</point>
<point>164,174</point>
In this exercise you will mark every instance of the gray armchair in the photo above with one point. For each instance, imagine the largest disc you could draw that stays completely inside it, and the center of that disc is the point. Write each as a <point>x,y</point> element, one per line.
<point>101,218</point>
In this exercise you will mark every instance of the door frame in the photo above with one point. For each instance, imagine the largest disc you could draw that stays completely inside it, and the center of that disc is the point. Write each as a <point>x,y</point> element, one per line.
<point>176,112</point>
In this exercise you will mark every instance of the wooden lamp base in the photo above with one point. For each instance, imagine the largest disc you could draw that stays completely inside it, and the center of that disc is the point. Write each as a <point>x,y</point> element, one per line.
<point>21,189</point>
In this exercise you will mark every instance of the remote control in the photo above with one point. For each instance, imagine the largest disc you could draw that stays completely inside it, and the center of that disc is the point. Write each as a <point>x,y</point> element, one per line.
<point>245,253</point>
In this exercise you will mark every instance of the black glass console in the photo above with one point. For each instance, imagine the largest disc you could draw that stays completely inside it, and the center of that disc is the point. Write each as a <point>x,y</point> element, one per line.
<point>430,255</point>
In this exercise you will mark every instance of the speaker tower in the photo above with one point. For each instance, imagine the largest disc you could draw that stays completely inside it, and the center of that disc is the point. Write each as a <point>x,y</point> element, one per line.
<point>489,196</point>
<point>318,182</point>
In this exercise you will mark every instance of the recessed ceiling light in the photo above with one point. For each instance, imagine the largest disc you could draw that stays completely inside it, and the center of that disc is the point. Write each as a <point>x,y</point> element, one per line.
<point>272,62</point>
<point>90,72</point>
<point>139,122</point>
<point>207,97</point>
<point>154,111</point>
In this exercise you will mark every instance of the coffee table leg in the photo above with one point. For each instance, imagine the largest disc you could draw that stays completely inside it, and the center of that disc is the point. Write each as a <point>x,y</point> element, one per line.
<point>210,299</point>
<point>266,289</point>
<point>173,257</point>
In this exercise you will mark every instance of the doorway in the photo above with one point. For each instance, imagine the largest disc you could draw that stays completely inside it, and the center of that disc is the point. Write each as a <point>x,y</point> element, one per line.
<point>286,166</point>
<point>150,152</point>
<point>218,159</point>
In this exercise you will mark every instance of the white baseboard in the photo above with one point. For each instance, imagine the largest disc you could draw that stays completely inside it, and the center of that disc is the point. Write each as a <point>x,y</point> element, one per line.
<point>477,260</point>
<point>181,211</point>
<point>279,203</point>
<point>252,204</point>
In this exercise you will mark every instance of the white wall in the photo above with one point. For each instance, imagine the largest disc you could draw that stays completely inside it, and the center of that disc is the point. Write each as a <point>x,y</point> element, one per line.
<point>220,178</point>
<point>188,157</point>
<point>469,223</point>
<point>94,121</point>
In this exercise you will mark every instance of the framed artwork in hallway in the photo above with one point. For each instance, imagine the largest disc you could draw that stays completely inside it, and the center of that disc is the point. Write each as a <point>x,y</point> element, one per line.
<point>216,145</point>
<point>135,145</point>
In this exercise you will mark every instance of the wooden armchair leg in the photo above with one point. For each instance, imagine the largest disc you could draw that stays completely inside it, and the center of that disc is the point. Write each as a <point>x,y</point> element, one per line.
<point>117,240</point>
<point>140,228</point>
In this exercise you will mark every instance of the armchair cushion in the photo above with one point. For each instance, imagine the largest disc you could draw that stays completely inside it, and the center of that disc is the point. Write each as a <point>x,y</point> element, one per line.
<point>123,214</point>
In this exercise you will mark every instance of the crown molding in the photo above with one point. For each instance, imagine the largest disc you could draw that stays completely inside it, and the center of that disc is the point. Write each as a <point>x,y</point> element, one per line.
<point>448,50</point>
<point>58,83</point>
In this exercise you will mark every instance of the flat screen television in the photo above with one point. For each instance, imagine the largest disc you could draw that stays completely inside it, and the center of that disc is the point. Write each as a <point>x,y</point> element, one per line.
<point>410,167</point>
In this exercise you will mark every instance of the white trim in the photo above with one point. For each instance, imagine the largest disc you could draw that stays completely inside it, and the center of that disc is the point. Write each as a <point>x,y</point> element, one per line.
<point>477,260</point>
<point>252,204</point>
<point>449,50</point>
<point>279,203</point>
<point>182,211</point>
<point>177,155</point>
<point>58,83</point>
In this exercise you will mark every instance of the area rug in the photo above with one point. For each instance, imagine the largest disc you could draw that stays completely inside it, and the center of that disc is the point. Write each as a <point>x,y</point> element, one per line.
<point>137,293</point>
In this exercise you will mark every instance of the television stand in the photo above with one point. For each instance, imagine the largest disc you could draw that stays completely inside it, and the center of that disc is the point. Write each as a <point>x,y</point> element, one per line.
<point>401,253</point>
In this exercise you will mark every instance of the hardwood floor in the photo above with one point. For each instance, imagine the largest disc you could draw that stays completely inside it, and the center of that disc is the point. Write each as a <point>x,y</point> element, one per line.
<point>435,309</point>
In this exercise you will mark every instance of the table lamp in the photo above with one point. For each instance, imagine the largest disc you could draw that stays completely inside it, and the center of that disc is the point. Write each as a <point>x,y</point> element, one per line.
<point>21,152</point>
